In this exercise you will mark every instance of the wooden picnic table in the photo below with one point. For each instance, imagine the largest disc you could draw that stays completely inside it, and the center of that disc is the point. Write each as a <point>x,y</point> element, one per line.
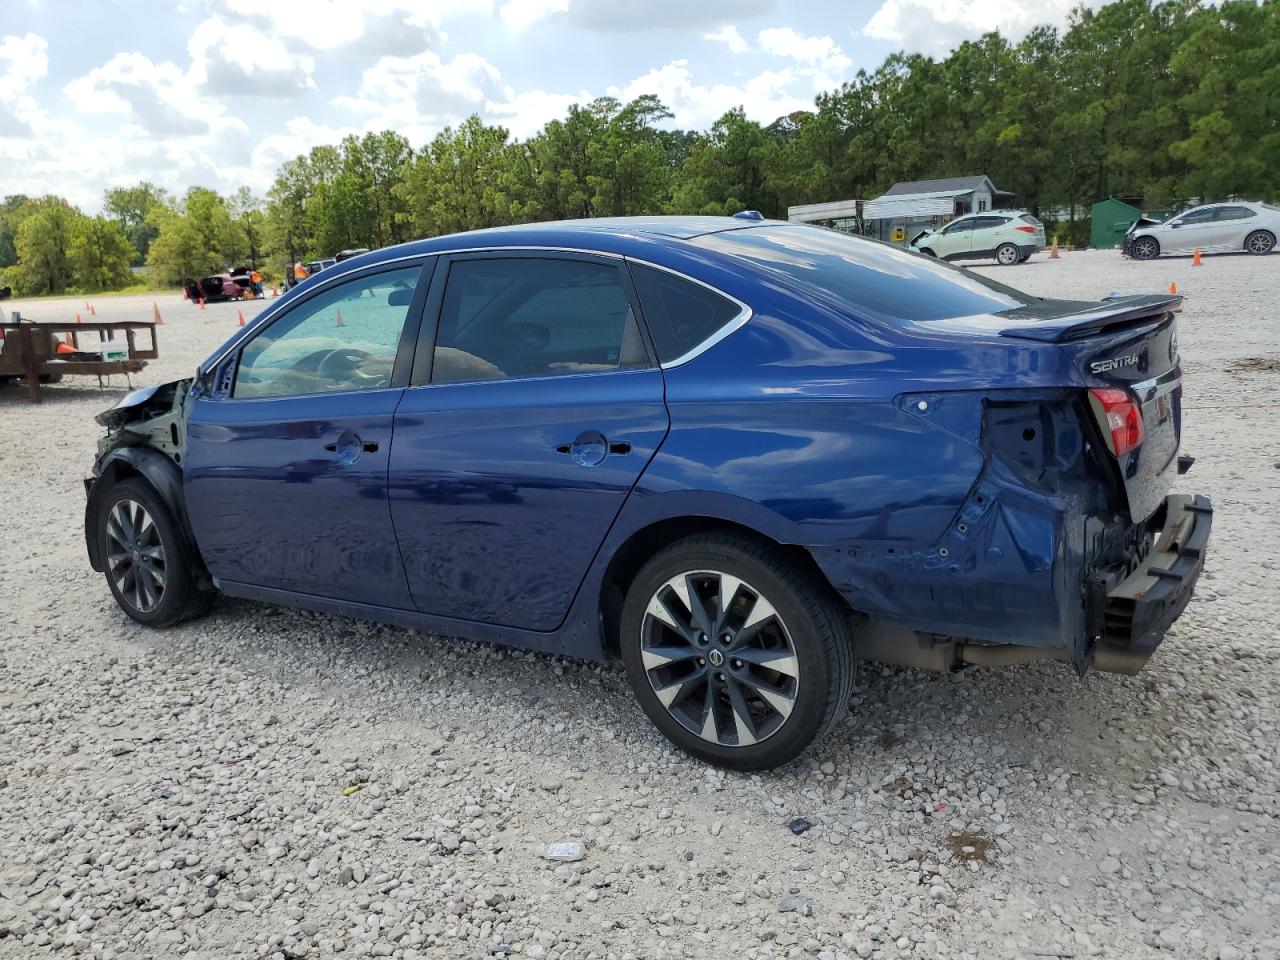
<point>36,350</point>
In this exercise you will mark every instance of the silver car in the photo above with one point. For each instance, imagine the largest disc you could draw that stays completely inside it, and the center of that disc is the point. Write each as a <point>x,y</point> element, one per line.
<point>1212,228</point>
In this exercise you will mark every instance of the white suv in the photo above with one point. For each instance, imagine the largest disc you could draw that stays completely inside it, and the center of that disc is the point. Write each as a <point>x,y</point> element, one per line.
<point>1007,236</point>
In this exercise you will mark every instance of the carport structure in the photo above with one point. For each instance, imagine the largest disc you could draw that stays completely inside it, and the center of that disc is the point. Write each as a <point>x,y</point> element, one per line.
<point>912,205</point>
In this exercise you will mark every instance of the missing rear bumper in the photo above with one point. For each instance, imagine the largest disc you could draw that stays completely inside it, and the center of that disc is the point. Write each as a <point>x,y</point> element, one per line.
<point>1138,611</point>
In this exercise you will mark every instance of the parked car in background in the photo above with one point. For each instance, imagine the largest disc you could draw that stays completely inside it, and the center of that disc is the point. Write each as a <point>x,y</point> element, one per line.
<point>1212,228</point>
<point>736,453</point>
<point>221,286</point>
<point>1006,236</point>
<point>348,254</point>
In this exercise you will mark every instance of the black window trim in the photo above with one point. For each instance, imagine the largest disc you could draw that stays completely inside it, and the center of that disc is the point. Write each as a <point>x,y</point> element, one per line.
<point>720,333</point>
<point>424,353</point>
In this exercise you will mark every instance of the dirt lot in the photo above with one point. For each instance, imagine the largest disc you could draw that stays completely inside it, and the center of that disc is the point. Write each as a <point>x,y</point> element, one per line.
<point>184,792</point>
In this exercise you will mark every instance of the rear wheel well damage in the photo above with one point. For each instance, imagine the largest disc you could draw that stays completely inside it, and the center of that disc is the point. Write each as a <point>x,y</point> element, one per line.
<point>647,541</point>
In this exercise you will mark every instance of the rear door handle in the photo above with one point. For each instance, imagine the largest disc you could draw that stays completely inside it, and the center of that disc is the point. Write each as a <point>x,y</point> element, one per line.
<point>590,447</point>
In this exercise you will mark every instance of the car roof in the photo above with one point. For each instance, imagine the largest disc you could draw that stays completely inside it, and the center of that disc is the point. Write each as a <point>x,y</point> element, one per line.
<point>621,235</point>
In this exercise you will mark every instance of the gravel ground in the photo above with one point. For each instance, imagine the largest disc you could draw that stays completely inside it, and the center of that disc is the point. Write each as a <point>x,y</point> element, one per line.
<point>194,791</point>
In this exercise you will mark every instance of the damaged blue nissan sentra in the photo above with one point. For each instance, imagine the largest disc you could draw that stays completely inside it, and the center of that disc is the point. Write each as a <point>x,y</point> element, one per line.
<point>737,453</point>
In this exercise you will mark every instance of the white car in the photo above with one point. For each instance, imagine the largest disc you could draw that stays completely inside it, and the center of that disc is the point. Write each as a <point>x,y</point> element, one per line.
<point>1006,236</point>
<point>1212,228</point>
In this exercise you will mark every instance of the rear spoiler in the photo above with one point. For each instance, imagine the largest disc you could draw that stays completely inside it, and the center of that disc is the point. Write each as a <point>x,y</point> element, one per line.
<point>1117,312</point>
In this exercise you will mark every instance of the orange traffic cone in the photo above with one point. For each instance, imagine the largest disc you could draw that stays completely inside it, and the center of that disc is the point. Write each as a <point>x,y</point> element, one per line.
<point>186,294</point>
<point>93,311</point>
<point>1173,288</point>
<point>1195,258</point>
<point>275,291</point>
<point>155,307</point>
<point>1053,251</point>
<point>241,313</point>
<point>202,303</point>
<point>77,318</point>
<point>338,321</point>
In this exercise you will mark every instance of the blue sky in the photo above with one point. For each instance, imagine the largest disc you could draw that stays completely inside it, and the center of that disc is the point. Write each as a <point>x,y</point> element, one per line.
<point>220,92</point>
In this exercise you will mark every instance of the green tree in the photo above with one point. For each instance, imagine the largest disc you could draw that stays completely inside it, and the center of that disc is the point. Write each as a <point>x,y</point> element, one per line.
<point>456,182</point>
<point>43,245</point>
<point>100,254</point>
<point>725,173</point>
<point>132,207</point>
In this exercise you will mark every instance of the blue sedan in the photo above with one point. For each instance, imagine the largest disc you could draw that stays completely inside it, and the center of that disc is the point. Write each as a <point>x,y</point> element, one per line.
<point>738,454</point>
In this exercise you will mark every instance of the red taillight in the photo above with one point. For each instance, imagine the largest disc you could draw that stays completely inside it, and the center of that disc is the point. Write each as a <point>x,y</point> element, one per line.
<point>1026,229</point>
<point>1120,417</point>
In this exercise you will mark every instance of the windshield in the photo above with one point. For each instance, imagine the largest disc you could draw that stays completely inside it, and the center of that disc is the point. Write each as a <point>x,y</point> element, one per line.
<point>877,279</point>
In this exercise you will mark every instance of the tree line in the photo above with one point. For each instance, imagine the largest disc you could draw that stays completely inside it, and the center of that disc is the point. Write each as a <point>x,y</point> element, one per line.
<point>1170,101</point>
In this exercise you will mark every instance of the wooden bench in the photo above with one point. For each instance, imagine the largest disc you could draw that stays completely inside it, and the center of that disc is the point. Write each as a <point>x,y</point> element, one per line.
<point>30,350</point>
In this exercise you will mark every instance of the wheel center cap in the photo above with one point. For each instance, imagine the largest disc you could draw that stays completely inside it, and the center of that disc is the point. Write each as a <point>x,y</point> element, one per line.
<point>716,658</point>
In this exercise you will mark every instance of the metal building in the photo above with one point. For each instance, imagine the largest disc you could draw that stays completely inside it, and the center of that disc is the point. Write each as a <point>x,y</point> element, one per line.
<point>907,208</point>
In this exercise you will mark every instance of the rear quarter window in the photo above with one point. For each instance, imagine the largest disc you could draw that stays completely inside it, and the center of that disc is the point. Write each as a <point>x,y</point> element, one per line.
<point>873,279</point>
<point>681,315</point>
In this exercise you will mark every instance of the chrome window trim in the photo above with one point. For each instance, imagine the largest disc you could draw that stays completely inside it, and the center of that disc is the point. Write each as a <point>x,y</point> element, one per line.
<point>735,324</point>
<point>729,328</point>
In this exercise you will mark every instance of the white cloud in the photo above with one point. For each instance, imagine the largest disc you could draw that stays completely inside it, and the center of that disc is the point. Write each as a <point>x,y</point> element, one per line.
<point>23,61</point>
<point>527,112</point>
<point>522,14</point>
<point>938,26</point>
<point>730,37</point>
<point>372,26</point>
<point>765,96</point>
<point>158,96</point>
<point>668,16</point>
<point>820,58</point>
<point>239,60</point>
<point>420,94</point>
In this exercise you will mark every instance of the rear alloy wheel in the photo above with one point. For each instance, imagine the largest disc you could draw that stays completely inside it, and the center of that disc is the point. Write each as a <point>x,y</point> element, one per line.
<point>736,657</point>
<point>1007,254</point>
<point>147,562</point>
<point>1260,242</point>
<point>1146,248</point>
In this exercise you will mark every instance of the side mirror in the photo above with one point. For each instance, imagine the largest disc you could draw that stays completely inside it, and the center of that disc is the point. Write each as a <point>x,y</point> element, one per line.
<point>1175,224</point>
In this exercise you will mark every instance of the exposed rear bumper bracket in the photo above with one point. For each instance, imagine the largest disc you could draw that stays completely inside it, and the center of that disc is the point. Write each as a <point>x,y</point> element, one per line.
<point>1139,610</point>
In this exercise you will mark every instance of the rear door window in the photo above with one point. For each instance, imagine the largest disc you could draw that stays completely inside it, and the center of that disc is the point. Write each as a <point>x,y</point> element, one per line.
<point>681,315</point>
<point>507,318</point>
<point>1235,213</point>
<point>868,277</point>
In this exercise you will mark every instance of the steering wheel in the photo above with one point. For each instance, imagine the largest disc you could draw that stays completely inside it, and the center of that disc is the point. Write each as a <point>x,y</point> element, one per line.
<point>344,364</point>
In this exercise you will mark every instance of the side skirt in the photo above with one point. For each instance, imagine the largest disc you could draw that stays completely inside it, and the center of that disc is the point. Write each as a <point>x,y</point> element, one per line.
<point>564,642</point>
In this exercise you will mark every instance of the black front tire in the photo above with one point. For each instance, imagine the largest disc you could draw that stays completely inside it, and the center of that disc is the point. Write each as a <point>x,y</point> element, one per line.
<point>1146,248</point>
<point>152,549</point>
<point>815,646</point>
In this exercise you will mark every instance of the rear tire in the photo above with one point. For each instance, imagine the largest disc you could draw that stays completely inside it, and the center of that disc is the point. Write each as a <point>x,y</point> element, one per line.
<point>1146,248</point>
<point>148,563</point>
<point>1260,242</point>
<point>753,669</point>
<point>1008,255</point>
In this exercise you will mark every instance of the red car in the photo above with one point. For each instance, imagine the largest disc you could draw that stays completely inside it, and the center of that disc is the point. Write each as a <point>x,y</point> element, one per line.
<point>221,286</point>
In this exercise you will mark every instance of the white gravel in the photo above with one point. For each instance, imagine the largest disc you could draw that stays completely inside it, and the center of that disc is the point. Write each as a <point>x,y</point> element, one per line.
<point>190,791</point>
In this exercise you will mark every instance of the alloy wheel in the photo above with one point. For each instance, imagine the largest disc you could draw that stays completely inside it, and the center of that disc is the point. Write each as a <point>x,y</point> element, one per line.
<point>1008,255</point>
<point>1261,242</point>
<point>1145,248</point>
<point>719,658</point>
<point>135,555</point>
